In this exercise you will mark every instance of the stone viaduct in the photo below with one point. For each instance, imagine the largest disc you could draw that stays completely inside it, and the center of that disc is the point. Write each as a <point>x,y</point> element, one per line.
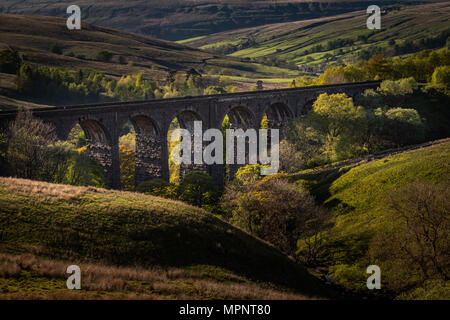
<point>102,123</point>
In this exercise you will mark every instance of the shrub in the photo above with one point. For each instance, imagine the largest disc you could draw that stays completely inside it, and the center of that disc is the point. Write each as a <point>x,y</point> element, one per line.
<point>9,61</point>
<point>104,56</point>
<point>349,276</point>
<point>198,189</point>
<point>291,160</point>
<point>213,90</point>
<point>398,87</point>
<point>157,187</point>
<point>273,209</point>
<point>56,49</point>
<point>441,76</point>
<point>28,139</point>
<point>404,126</point>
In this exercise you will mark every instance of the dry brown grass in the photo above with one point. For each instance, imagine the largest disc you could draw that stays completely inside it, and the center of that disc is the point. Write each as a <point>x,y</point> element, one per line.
<point>45,192</point>
<point>109,282</point>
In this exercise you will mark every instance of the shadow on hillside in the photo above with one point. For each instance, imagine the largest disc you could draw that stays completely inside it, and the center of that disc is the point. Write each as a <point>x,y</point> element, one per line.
<point>319,182</point>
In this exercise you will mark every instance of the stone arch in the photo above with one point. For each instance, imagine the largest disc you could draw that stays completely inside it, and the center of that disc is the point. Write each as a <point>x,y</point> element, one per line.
<point>307,106</point>
<point>99,147</point>
<point>148,153</point>
<point>240,117</point>
<point>95,132</point>
<point>186,119</point>
<point>278,114</point>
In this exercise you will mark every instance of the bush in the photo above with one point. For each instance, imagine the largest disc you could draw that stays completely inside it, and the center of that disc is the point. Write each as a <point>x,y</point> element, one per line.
<point>56,49</point>
<point>349,276</point>
<point>404,126</point>
<point>398,87</point>
<point>273,209</point>
<point>104,56</point>
<point>9,61</point>
<point>198,189</point>
<point>28,139</point>
<point>157,187</point>
<point>441,77</point>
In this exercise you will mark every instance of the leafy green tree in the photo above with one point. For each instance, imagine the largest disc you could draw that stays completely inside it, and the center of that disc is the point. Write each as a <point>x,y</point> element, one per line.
<point>28,139</point>
<point>85,171</point>
<point>157,187</point>
<point>198,189</point>
<point>104,56</point>
<point>9,61</point>
<point>271,208</point>
<point>441,77</point>
<point>340,125</point>
<point>56,48</point>
<point>404,126</point>
<point>213,90</point>
<point>398,87</point>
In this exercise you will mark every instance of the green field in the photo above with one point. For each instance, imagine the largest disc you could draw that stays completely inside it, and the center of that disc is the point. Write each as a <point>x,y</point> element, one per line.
<point>34,36</point>
<point>182,19</point>
<point>358,198</point>
<point>181,250</point>
<point>289,41</point>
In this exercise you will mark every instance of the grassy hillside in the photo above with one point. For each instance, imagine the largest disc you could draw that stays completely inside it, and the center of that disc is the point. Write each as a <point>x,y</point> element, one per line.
<point>299,41</point>
<point>358,196</point>
<point>34,36</point>
<point>185,251</point>
<point>179,19</point>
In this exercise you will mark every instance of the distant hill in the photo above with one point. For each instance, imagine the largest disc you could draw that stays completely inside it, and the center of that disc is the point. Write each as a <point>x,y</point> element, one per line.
<point>342,38</point>
<point>180,19</point>
<point>179,251</point>
<point>35,38</point>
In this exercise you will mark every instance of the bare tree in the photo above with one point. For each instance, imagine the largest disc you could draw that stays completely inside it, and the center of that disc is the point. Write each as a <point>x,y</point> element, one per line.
<point>418,241</point>
<point>28,139</point>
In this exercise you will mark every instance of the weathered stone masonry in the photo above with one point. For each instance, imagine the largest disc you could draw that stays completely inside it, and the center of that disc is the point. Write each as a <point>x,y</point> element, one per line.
<point>151,119</point>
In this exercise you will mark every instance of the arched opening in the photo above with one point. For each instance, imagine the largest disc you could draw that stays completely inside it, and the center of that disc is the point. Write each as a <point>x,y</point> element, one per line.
<point>277,115</point>
<point>183,120</point>
<point>127,156</point>
<point>307,107</point>
<point>147,149</point>
<point>91,155</point>
<point>237,118</point>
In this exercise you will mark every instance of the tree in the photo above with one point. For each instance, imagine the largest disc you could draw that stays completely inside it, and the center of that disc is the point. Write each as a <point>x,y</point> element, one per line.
<point>398,87</point>
<point>415,246</point>
<point>271,208</point>
<point>213,90</point>
<point>441,77</point>
<point>198,189</point>
<point>404,126</point>
<point>157,187</point>
<point>291,160</point>
<point>340,125</point>
<point>85,171</point>
<point>28,139</point>
<point>126,158</point>
<point>104,56</point>
<point>9,61</point>
<point>56,49</point>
